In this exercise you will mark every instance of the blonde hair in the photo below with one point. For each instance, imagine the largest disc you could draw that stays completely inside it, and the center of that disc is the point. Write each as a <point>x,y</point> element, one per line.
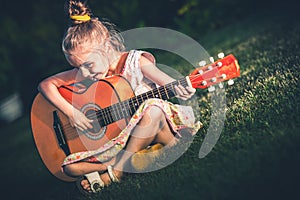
<point>91,32</point>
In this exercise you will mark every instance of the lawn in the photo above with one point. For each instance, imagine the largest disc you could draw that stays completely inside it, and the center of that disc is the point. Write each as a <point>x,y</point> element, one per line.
<point>256,156</point>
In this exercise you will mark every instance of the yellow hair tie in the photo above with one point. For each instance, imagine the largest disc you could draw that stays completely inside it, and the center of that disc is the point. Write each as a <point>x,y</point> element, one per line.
<point>83,18</point>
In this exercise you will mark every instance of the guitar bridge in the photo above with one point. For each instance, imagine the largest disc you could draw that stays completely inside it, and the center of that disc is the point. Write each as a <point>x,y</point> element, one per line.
<point>60,134</point>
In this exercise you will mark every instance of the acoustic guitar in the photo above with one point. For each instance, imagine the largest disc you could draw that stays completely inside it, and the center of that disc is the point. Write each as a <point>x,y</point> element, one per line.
<point>110,103</point>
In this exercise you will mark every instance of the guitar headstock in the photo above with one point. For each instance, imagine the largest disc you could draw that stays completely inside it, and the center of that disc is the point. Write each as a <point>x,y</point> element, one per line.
<point>226,68</point>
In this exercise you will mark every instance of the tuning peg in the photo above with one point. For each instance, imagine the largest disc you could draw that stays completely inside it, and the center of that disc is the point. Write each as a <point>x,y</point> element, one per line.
<point>211,88</point>
<point>211,59</point>
<point>230,82</point>
<point>214,79</point>
<point>221,55</point>
<point>200,71</point>
<point>204,83</point>
<point>220,64</point>
<point>202,63</point>
<point>223,76</point>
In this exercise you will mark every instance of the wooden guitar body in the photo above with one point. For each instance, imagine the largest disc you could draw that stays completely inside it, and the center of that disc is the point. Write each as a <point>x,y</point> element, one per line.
<point>88,99</point>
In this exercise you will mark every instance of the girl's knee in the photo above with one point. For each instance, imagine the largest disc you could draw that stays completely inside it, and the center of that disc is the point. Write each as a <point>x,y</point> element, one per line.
<point>155,113</point>
<point>153,117</point>
<point>70,170</point>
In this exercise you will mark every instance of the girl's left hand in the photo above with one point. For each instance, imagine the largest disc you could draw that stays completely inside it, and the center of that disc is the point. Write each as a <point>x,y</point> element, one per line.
<point>184,93</point>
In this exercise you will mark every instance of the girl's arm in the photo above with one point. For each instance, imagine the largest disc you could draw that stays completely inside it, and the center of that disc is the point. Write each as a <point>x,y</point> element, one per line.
<point>159,77</point>
<point>49,89</point>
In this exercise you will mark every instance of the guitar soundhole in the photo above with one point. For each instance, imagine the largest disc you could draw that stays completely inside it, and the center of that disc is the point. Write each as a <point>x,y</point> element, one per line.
<point>97,132</point>
<point>92,114</point>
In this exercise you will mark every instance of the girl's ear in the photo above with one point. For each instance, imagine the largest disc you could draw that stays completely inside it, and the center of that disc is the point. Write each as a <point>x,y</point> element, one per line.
<point>107,46</point>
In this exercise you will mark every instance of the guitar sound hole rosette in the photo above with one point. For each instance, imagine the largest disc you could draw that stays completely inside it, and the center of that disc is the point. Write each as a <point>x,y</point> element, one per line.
<point>97,132</point>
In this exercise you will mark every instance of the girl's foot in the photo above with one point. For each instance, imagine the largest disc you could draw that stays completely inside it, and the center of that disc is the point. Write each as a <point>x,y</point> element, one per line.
<point>94,182</point>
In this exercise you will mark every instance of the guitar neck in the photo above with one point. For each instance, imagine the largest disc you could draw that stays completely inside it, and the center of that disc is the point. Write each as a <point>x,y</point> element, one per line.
<point>128,107</point>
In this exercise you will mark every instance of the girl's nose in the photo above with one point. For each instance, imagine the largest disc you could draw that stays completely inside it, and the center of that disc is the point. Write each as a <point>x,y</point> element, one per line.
<point>84,72</point>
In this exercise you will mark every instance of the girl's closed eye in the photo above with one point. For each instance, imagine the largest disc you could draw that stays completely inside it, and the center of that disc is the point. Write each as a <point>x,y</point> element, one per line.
<point>87,65</point>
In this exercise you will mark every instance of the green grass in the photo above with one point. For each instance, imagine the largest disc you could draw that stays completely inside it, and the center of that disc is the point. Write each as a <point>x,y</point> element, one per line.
<point>256,156</point>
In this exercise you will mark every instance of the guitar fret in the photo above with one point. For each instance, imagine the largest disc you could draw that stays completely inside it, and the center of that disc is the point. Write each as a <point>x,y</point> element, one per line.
<point>137,101</point>
<point>113,113</point>
<point>152,93</point>
<point>166,92</point>
<point>108,116</point>
<point>162,93</point>
<point>140,100</point>
<point>124,109</point>
<point>142,97</point>
<point>99,118</point>
<point>159,93</point>
<point>104,116</point>
<point>128,107</point>
<point>132,105</point>
<point>173,89</point>
<point>146,95</point>
<point>120,112</point>
<point>135,106</point>
<point>183,82</point>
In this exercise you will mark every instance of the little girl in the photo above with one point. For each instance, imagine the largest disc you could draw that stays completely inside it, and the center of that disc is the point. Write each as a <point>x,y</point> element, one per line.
<point>95,51</point>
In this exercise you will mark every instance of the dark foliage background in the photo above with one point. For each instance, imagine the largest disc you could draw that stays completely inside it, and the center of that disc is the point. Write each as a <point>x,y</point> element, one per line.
<point>31,31</point>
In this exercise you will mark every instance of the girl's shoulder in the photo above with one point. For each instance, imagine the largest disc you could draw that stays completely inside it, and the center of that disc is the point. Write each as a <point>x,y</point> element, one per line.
<point>135,60</point>
<point>143,57</point>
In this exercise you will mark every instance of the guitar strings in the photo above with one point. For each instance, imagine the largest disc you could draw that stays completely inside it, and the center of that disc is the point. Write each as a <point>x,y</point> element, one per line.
<point>135,102</point>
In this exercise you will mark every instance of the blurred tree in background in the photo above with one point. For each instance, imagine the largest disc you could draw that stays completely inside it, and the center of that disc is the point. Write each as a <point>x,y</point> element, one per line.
<point>31,31</point>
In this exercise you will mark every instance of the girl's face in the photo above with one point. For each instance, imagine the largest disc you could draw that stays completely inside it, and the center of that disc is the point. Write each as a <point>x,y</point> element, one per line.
<point>92,64</point>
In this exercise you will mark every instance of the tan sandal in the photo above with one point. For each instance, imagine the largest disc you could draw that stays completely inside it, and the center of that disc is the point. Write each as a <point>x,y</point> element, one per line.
<point>112,175</point>
<point>95,181</point>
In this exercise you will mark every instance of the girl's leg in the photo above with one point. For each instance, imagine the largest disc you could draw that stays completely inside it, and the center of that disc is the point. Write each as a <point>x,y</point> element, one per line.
<point>81,168</point>
<point>152,128</point>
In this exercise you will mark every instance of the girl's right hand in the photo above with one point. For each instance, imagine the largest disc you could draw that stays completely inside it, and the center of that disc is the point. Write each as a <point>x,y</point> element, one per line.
<point>78,120</point>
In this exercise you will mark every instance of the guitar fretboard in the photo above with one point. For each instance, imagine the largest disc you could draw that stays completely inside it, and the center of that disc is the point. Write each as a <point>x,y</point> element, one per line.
<point>128,107</point>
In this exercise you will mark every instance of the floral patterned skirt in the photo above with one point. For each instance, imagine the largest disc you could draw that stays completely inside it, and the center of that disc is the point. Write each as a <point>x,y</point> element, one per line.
<point>178,116</point>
